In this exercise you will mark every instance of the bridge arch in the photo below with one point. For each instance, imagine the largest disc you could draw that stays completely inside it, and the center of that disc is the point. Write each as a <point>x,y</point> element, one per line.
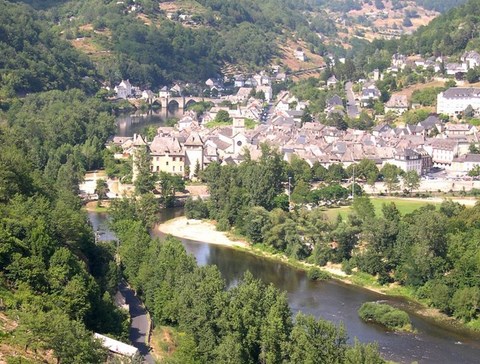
<point>190,102</point>
<point>157,103</point>
<point>173,104</point>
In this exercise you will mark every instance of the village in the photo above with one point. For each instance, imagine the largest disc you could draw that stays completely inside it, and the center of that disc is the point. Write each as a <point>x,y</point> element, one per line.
<point>440,147</point>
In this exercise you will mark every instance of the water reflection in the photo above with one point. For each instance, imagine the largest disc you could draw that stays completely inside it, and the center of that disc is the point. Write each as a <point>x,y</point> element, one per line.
<point>339,303</point>
<point>127,124</point>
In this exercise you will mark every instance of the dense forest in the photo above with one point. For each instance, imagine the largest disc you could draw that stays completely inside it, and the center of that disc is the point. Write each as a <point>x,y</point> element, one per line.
<point>434,252</point>
<point>440,5</point>
<point>248,323</point>
<point>449,34</point>
<point>34,58</point>
<point>55,282</point>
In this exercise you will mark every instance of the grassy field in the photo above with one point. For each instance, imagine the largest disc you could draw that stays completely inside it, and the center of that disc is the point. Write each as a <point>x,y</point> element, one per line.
<point>405,206</point>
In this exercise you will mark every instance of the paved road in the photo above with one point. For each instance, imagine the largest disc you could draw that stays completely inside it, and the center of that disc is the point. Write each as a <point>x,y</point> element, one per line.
<point>352,109</point>
<point>139,325</point>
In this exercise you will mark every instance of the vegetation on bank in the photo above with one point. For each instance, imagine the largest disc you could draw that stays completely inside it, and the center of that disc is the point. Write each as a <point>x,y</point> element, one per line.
<point>386,315</point>
<point>250,322</point>
<point>431,252</point>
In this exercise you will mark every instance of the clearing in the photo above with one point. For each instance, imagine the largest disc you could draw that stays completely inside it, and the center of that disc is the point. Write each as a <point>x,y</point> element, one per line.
<point>404,205</point>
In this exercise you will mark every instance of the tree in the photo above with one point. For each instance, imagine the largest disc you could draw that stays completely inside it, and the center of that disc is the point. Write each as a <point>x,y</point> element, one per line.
<point>306,116</point>
<point>363,208</point>
<point>319,172</point>
<point>299,169</point>
<point>316,342</point>
<point>472,75</point>
<point>301,192</point>
<point>336,173</point>
<point>390,176</point>
<point>101,189</point>
<point>363,354</point>
<point>411,180</point>
<point>474,172</point>
<point>145,179</point>
<point>223,116</point>
<point>466,303</point>
<point>472,148</point>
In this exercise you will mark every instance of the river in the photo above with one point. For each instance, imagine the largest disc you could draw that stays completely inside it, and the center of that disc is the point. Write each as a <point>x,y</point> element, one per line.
<point>334,301</point>
<point>129,124</point>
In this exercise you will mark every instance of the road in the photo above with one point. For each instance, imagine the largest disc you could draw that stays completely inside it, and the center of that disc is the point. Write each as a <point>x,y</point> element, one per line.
<point>139,326</point>
<point>352,109</point>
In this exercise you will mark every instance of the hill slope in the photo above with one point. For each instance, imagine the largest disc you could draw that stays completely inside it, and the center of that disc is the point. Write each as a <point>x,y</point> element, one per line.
<point>33,58</point>
<point>450,34</point>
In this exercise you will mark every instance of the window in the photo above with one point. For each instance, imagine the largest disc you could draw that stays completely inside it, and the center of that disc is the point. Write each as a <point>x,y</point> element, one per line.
<point>173,170</point>
<point>174,159</point>
<point>181,168</point>
<point>166,163</point>
<point>158,168</point>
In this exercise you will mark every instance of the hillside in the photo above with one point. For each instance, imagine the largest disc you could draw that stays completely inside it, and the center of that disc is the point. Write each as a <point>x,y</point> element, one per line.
<point>153,43</point>
<point>33,58</point>
<point>449,34</point>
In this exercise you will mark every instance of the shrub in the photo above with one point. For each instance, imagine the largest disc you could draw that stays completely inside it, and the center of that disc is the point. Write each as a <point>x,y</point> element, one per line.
<point>223,224</point>
<point>316,274</point>
<point>388,316</point>
<point>347,266</point>
<point>196,209</point>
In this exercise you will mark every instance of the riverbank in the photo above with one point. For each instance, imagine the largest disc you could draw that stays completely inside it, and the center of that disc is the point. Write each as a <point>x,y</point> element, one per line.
<point>205,232</point>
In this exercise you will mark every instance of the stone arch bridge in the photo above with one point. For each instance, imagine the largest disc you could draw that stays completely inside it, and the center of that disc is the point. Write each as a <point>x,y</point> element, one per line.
<point>181,101</point>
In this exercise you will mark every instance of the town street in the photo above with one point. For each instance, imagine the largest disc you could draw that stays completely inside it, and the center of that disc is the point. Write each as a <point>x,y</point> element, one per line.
<point>352,109</point>
<point>139,326</point>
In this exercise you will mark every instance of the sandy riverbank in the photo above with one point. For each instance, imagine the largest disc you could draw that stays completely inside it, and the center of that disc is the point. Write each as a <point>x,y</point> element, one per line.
<point>205,232</point>
<point>198,230</point>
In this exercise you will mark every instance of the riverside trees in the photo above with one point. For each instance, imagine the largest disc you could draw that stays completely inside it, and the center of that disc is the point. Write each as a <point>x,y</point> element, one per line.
<point>248,323</point>
<point>430,250</point>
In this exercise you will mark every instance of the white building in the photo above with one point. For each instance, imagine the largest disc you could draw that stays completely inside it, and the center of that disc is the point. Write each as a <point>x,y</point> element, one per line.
<point>456,99</point>
<point>124,89</point>
<point>117,347</point>
<point>465,163</point>
<point>408,160</point>
<point>397,104</point>
<point>443,151</point>
<point>471,59</point>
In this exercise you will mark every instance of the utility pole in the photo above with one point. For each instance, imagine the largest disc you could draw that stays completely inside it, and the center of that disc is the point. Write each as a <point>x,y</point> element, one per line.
<point>353,184</point>
<point>289,202</point>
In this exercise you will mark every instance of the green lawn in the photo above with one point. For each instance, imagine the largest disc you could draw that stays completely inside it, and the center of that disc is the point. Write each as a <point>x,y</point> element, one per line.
<point>403,205</point>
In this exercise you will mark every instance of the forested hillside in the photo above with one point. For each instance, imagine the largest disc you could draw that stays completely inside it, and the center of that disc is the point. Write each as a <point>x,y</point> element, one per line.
<point>55,283</point>
<point>154,48</point>
<point>449,34</point>
<point>34,58</point>
<point>440,5</point>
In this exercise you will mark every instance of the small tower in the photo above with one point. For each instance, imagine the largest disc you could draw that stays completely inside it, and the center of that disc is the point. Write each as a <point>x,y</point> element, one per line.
<point>138,142</point>
<point>194,153</point>
<point>238,125</point>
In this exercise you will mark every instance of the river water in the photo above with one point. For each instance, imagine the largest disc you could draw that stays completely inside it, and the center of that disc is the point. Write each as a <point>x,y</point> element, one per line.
<point>129,124</point>
<point>334,301</point>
